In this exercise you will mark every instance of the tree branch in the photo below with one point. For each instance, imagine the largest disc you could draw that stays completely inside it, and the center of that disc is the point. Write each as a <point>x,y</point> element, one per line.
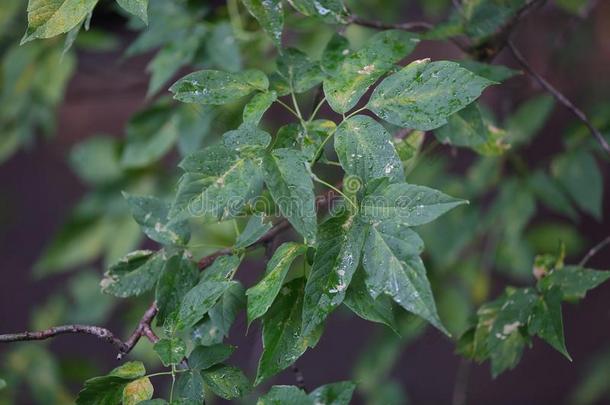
<point>558,96</point>
<point>97,331</point>
<point>407,26</point>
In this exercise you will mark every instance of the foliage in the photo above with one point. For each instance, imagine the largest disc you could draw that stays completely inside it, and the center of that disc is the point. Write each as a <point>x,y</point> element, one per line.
<point>359,248</point>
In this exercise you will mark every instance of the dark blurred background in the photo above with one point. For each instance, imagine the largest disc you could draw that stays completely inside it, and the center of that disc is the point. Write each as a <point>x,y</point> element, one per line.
<point>38,190</point>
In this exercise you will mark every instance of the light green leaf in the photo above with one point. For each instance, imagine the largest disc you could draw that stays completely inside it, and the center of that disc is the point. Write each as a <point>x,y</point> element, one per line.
<point>548,191</point>
<point>179,275</point>
<point>262,295</point>
<point>216,87</point>
<point>189,389</point>
<point>270,15</point>
<point>406,204</point>
<point>467,128</point>
<point>547,321</point>
<point>288,179</point>
<point>108,389</point>
<point>365,150</point>
<point>285,394</point>
<point>570,170</point>
<point>391,261</point>
<point>223,49</point>
<point>331,11</point>
<point>423,94</point>
<point>361,69</point>
<point>2,384</point>
<point>246,137</point>
<point>299,73</point>
<point>199,300</point>
<point>134,274</point>
<point>337,49</point>
<point>137,391</point>
<point>171,351</point>
<point>139,8</point>
<point>48,18</point>
<point>359,300</point>
<point>255,228</point>
<point>283,341</point>
<point>225,381</point>
<point>256,107</point>
<point>151,214</point>
<point>573,281</point>
<point>222,268</point>
<point>203,357</point>
<point>339,393</point>
<point>529,118</point>
<point>96,160</point>
<point>337,257</point>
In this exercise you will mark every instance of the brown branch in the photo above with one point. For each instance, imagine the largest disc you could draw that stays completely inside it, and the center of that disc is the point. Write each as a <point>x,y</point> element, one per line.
<point>558,96</point>
<point>407,26</point>
<point>143,329</point>
<point>97,331</point>
<point>594,250</point>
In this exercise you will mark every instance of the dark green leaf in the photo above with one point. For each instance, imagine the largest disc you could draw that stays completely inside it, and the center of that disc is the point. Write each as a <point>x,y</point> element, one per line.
<point>222,269</point>
<point>246,137</point>
<point>337,257</point>
<point>573,281</point>
<point>223,48</point>
<point>361,69</point>
<point>225,311</point>
<point>300,73</point>
<point>365,150</point>
<point>285,394</point>
<point>262,295</point>
<point>528,119</point>
<point>108,389</point>
<point>328,10</point>
<point>547,321</point>
<point>225,381</point>
<point>283,341</point>
<point>256,107</point>
<point>199,300</point>
<point>548,191</point>
<point>179,275</point>
<point>495,73</point>
<point>134,274</point>
<point>339,393</point>
<point>189,388</point>
<point>334,54</point>
<point>203,357</point>
<point>255,228</point>
<point>270,15</point>
<point>216,87</point>
<point>139,8</point>
<point>288,179</point>
<point>423,94</point>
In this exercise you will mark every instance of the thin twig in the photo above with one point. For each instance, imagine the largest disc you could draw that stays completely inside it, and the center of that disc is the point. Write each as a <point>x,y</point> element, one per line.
<point>141,330</point>
<point>460,389</point>
<point>97,331</point>
<point>594,250</point>
<point>380,25</point>
<point>558,96</point>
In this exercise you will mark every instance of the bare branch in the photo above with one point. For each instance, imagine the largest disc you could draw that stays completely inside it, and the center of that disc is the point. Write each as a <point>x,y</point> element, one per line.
<point>97,331</point>
<point>594,250</point>
<point>143,329</point>
<point>407,26</point>
<point>558,96</point>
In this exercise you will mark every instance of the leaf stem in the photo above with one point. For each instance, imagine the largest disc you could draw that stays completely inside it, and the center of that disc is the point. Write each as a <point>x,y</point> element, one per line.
<point>335,189</point>
<point>316,109</point>
<point>594,250</point>
<point>354,113</point>
<point>286,106</point>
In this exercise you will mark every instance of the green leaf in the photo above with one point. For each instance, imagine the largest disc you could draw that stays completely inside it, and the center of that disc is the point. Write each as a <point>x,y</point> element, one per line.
<point>423,94</point>
<point>48,18</point>
<point>285,394</point>
<point>467,128</point>
<point>225,311</point>
<point>337,49</point>
<point>256,107</point>
<point>529,118</point>
<point>189,389</point>
<point>139,8</point>
<point>2,384</point>
<point>225,381</point>
<point>362,68</point>
<point>206,333</point>
<point>570,170</point>
<point>179,275</point>
<point>337,257</point>
<point>300,73</point>
<point>217,185</point>
<point>134,274</point>
<point>246,137</point>
<point>482,18</point>
<point>391,261</point>
<point>270,15</point>
<point>151,214</point>
<point>216,87</point>
<point>199,300</point>
<point>255,228</point>
<point>262,295</point>
<point>222,269</point>
<point>293,136</point>
<point>331,11</point>
<point>223,48</point>
<point>495,73</point>
<point>137,391</point>
<point>548,191</point>
<point>283,340</point>
<point>339,393</point>
<point>573,281</point>
<point>108,389</point>
<point>406,204</point>
<point>547,321</point>
<point>204,357</point>
<point>360,301</point>
<point>288,179</point>
<point>365,150</point>
<point>96,160</point>
<point>171,351</point>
